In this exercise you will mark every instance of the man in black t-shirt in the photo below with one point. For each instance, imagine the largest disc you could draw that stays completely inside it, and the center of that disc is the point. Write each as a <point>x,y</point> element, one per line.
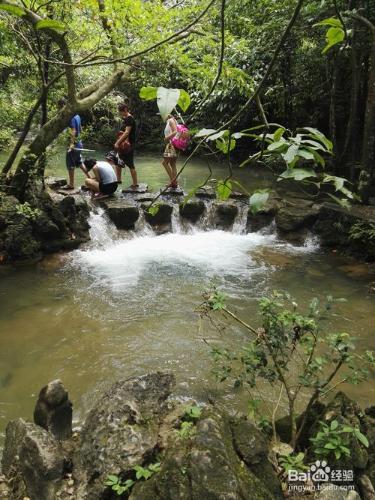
<point>128,133</point>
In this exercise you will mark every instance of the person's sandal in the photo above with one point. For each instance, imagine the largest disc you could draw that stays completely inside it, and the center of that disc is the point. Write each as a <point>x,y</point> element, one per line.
<point>68,187</point>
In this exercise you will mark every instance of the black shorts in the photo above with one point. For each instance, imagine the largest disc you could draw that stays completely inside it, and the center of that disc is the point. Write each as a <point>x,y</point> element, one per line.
<point>127,159</point>
<point>108,188</point>
<point>73,159</point>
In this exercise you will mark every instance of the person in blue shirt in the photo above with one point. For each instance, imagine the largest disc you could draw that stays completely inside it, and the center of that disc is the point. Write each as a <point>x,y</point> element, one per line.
<point>73,155</point>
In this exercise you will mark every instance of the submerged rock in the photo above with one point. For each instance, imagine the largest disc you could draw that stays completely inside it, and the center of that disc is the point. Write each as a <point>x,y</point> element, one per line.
<point>192,210</point>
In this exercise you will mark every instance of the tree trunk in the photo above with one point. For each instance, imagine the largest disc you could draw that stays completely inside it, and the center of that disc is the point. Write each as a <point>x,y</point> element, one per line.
<point>368,148</point>
<point>27,166</point>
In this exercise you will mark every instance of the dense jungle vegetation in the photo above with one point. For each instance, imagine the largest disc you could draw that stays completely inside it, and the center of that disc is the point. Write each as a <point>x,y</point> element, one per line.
<point>297,64</point>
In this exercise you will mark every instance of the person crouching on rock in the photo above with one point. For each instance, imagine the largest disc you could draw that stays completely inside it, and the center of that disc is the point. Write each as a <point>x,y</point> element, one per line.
<point>105,181</point>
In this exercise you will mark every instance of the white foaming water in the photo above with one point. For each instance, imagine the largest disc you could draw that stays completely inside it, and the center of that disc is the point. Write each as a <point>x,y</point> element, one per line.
<point>213,253</point>
<point>102,231</point>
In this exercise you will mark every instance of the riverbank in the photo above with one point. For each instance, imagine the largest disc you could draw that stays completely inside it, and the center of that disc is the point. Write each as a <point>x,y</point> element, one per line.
<point>140,442</point>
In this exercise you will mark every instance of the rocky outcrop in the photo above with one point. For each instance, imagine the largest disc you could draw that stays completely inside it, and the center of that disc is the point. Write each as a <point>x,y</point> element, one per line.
<point>224,214</point>
<point>136,423</point>
<point>33,461</point>
<point>293,218</point>
<point>162,217</point>
<point>53,410</point>
<point>192,210</point>
<point>263,217</point>
<point>44,222</point>
<point>350,230</point>
<point>123,215</point>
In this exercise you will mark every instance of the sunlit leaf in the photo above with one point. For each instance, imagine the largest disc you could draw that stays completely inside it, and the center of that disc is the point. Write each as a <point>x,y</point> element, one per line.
<point>148,93</point>
<point>12,9</point>
<point>333,36</point>
<point>224,189</point>
<point>330,21</point>
<point>51,24</point>
<point>258,199</point>
<point>183,100</point>
<point>167,100</point>
<point>298,174</point>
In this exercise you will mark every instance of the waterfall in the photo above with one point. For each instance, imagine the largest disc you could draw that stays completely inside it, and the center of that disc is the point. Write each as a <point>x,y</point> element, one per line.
<point>240,223</point>
<point>102,231</point>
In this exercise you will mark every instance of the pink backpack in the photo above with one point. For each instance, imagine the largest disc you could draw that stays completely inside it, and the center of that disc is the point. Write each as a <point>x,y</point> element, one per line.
<point>182,138</point>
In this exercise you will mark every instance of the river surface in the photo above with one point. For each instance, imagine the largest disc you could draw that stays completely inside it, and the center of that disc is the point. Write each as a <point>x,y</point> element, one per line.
<point>125,304</point>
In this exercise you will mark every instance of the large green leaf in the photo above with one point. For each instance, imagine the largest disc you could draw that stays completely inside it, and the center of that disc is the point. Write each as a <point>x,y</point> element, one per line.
<point>281,144</point>
<point>224,189</point>
<point>167,100</point>
<point>204,132</point>
<point>12,9</point>
<point>291,154</point>
<point>148,93</point>
<point>317,134</point>
<point>305,153</point>
<point>333,36</point>
<point>258,199</point>
<point>51,24</point>
<point>338,182</point>
<point>298,174</point>
<point>330,21</point>
<point>278,133</point>
<point>224,145</point>
<point>183,100</point>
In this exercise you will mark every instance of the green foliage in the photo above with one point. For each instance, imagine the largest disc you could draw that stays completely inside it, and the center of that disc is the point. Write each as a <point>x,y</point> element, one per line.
<point>333,440</point>
<point>293,462</point>
<point>153,209</point>
<point>12,9</point>
<point>215,299</point>
<point>363,232</point>
<point>193,413</point>
<point>51,24</point>
<point>167,99</point>
<point>335,34</point>
<point>258,199</point>
<point>224,189</point>
<point>291,350</point>
<point>117,485</point>
<point>27,211</point>
<point>186,431</point>
<point>141,473</point>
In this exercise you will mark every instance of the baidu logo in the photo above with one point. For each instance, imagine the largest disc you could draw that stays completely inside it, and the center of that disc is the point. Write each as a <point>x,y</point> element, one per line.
<point>320,475</point>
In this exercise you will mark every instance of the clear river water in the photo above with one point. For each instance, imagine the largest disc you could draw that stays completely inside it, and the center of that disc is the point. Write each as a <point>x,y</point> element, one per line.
<point>125,304</point>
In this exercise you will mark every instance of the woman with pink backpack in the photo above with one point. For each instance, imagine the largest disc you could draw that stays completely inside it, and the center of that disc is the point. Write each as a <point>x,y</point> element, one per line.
<point>177,138</point>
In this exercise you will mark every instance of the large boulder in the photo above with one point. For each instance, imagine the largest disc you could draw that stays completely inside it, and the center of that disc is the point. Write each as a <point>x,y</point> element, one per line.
<point>225,214</point>
<point>162,217</point>
<point>53,410</point>
<point>123,215</point>
<point>350,230</point>
<point>208,465</point>
<point>121,431</point>
<point>192,210</point>
<point>32,461</point>
<point>263,217</point>
<point>293,218</point>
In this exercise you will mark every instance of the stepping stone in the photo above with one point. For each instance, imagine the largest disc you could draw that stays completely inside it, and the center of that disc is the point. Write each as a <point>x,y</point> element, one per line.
<point>68,192</point>
<point>237,195</point>
<point>55,182</point>
<point>173,192</point>
<point>205,193</point>
<point>142,188</point>
<point>145,197</point>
